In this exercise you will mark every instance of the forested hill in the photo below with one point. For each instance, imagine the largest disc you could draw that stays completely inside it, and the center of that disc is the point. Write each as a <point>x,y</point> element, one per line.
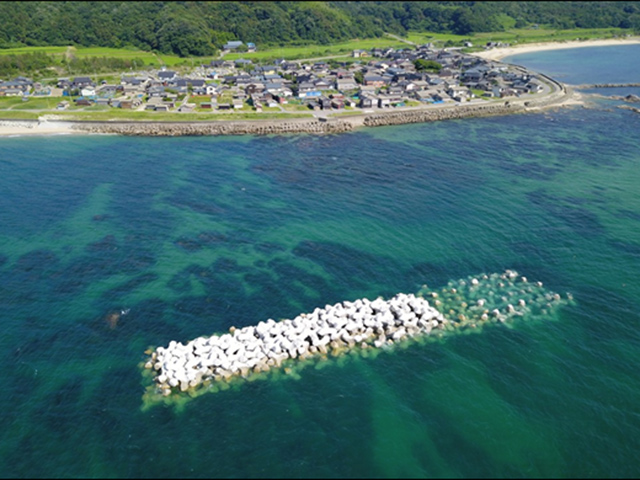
<point>199,28</point>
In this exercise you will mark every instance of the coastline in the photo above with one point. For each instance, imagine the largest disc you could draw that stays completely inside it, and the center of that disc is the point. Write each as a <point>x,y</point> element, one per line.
<point>562,96</point>
<point>499,53</point>
<point>18,128</point>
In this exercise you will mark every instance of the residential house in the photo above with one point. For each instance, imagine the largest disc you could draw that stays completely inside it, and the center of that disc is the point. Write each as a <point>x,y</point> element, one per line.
<point>322,84</point>
<point>187,107</point>
<point>12,88</point>
<point>325,103</point>
<point>337,103</point>
<point>307,89</point>
<point>243,81</point>
<point>107,90</point>
<point>232,45</point>
<point>63,83</point>
<point>375,80</point>
<point>423,96</point>
<point>383,101</point>
<point>81,82</point>
<point>346,83</point>
<point>366,101</point>
<point>473,75</point>
<point>13,92</point>
<point>166,76</point>
<point>88,92</point>
<point>266,69</point>
<point>156,91</point>
<point>211,89</point>
<point>459,93</point>
<point>254,88</point>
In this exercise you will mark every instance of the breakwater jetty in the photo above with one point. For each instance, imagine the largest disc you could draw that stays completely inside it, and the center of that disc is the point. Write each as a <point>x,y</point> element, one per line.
<point>608,85</point>
<point>362,325</point>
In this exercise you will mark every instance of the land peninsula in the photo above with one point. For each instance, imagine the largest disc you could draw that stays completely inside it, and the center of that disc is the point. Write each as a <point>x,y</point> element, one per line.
<point>384,87</point>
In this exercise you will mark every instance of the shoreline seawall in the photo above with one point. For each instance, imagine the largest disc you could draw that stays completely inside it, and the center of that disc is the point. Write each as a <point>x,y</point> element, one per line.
<point>558,97</point>
<point>331,125</point>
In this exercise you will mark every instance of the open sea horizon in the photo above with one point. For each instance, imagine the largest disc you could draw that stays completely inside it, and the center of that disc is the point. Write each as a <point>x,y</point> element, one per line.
<point>111,245</point>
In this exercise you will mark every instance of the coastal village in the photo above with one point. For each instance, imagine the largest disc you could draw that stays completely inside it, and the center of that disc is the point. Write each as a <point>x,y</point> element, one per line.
<point>372,80</point>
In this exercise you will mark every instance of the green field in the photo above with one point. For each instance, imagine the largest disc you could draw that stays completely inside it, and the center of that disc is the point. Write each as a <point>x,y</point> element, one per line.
<point>149,58</point>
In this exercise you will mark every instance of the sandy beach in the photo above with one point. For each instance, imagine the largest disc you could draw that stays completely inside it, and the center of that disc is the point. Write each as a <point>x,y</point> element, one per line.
<point>502,52</point>
<point>24,127</point>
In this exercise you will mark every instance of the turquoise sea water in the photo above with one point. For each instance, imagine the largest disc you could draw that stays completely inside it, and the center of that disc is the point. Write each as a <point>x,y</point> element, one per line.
<point>193,235</point>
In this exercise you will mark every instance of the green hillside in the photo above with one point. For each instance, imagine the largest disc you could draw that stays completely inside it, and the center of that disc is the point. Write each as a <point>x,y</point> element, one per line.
<point>201,28</point>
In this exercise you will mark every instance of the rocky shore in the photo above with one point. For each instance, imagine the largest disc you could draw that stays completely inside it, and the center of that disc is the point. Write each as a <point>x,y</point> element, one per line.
<point>362,325</point>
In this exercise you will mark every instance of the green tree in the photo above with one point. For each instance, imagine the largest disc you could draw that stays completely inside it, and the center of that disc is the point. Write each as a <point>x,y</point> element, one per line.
<point>423,65</point>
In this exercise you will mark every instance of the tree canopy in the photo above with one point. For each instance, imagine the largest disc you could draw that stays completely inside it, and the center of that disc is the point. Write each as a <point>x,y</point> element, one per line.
<point>199,28</point>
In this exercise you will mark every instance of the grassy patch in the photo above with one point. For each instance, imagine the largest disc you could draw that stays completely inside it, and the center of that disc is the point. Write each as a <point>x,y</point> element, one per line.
<point>295,107</point>
<point>117,114</point>
<point>22,50</point>
<point>7,102</point>
<point>346,113</point>
<point>18,115</point>
<point>43,103</point>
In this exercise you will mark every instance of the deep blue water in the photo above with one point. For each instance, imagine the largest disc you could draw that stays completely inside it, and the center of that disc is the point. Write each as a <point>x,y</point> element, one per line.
<point>194,235</point>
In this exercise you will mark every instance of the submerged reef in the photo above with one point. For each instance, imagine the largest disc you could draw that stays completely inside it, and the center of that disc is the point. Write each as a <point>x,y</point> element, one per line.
<point>362,326</point>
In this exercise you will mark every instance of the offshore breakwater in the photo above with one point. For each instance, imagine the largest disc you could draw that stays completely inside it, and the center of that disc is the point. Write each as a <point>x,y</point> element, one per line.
<point>359,327</point>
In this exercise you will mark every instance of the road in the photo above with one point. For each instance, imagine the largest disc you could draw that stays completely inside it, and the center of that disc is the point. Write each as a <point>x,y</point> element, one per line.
<point>400,39</point>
